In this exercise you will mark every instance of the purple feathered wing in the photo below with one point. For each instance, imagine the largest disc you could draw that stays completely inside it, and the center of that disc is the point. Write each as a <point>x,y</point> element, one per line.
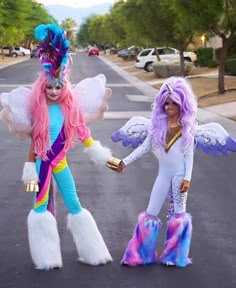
<point>133,133</point>
<point>213,138</point>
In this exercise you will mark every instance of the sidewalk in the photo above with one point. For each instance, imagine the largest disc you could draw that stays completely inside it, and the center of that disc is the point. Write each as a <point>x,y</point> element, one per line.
<point>203,80</point>
<point>9,61</point>
<point>204,116</point>
<point>227,109</point>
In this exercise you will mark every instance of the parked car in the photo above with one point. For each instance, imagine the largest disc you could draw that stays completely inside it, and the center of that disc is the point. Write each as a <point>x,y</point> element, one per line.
<point>33,53</point>
<point>93,51</point>
<point>126,52</point>
<point>15,51</point>
<point>146,57</point>
<point>24,50</point>
<point>11,51</point>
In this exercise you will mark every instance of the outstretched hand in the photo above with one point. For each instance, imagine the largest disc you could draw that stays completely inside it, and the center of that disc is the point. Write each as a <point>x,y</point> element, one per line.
<point>184,186</point>
<point>115,164</point>
<point>121,167</point>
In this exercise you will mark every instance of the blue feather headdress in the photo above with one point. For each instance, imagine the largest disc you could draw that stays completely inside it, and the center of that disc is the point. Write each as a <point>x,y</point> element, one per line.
<point>53,52</point>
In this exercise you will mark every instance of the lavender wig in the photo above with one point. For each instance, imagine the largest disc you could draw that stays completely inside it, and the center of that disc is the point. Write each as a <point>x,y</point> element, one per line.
<point>180,91</point>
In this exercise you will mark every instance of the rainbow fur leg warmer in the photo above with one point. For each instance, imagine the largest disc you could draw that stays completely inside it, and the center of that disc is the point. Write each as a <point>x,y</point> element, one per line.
<point>141,249</point>
<point>178,240</point>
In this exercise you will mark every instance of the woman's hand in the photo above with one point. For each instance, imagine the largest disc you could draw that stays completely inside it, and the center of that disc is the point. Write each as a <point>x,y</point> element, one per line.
<point>115,164</point>
<point>121,167</point>
<point>184,186</point>
<point>30,177</point>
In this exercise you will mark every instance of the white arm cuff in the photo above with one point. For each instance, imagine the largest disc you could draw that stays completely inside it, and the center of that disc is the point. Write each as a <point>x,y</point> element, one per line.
<point>29,172</point>
<point>99,154</point>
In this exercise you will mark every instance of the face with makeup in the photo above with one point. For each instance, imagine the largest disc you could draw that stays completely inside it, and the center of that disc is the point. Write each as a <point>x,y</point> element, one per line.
<point>53,93</point>
<point>171,108</point>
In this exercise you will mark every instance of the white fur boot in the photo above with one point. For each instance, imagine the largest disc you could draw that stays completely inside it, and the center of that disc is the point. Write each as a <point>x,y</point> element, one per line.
<point>44,240</point>
<point>88,240</point>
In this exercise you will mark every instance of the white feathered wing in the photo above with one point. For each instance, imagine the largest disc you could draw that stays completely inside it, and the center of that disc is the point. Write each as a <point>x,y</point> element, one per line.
<point>91,94</point>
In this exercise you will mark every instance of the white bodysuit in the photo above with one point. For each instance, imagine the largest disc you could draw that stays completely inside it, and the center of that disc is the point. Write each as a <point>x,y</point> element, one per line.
<point>174,166</point>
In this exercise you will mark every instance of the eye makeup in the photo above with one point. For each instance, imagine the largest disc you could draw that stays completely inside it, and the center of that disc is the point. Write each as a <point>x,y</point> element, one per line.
<point>168,103</point>
<point>50,87</point>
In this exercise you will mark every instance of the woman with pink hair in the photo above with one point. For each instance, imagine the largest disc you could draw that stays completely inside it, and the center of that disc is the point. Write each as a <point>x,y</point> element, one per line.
<point>171,138</point>
<point>57,121</point>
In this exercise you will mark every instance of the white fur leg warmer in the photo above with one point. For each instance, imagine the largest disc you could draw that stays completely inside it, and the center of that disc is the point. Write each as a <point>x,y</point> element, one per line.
<point>29,173</point>
<point>99,154</point>
<point>88,240</point>
<point>44,240</point>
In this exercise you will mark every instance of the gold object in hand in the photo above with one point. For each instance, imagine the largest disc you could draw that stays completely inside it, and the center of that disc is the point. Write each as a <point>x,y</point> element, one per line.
<point>32,186</point>
<point>113,163</point>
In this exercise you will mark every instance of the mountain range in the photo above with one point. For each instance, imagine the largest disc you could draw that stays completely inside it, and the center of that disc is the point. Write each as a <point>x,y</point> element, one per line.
<point>61,12</point>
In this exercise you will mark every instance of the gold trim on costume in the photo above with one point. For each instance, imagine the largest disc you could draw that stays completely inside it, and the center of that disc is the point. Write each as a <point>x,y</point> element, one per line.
<point>173,140</point>
<point>32,186</point>
<point>113,163</point>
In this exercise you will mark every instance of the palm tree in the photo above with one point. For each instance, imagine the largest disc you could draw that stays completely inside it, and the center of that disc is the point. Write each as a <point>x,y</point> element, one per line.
<point>69,25</point>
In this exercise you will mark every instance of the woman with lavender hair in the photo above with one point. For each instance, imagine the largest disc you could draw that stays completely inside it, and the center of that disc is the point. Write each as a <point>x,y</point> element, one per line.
<point>171,138</point>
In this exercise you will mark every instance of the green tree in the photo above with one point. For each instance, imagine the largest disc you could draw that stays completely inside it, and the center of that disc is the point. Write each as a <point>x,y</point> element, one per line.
<point>116,25</point>
<point>141,21</point>
<point>177,27</point>
<point>38,15</point>
<point>69,25</point>
<point>163,23</point>
<point>83,35</point>
<point>99,30</point>
<point>13,21</point>
<point>17,22</point>
<point>217,17</point>
<point>95,29</point>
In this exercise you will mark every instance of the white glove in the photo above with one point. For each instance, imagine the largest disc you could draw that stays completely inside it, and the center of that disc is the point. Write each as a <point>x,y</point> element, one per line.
<point>29,173</point>
<point>99,154</point>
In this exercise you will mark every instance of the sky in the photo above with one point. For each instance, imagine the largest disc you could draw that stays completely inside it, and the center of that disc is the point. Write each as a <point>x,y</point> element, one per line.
<point>75,3</point>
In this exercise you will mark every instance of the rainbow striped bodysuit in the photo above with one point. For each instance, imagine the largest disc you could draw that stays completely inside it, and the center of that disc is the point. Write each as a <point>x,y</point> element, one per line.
<point>57,166</point>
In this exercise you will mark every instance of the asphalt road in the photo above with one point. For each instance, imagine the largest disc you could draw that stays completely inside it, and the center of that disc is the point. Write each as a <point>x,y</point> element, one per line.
<point>115,200</point>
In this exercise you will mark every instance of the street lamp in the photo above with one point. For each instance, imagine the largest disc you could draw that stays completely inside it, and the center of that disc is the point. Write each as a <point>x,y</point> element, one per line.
<point>203,38</point>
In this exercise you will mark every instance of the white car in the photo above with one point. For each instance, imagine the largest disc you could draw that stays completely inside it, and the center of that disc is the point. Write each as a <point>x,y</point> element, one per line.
<point>147,56</point>
<point>15,51</point>
<point>24,50</point>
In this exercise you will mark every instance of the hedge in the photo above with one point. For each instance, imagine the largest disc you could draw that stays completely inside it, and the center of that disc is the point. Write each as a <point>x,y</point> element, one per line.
<point>163,69</point>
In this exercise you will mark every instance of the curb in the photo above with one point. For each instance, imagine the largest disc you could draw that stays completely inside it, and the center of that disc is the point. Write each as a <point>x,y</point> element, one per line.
<point>203,116</point>
<point>140,85</point>
<point>15,61</point>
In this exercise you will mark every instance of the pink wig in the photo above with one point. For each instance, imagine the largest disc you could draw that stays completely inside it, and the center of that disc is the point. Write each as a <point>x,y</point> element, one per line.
<point>74,125</point>
<point>179,91</point>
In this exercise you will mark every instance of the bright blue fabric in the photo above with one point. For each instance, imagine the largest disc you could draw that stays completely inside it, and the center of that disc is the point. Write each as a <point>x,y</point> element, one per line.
<point>56,120</point>
<point>64,178</point>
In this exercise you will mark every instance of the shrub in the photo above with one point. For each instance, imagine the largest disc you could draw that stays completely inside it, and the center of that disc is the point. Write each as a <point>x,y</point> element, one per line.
<point>163,69</point>
<point>203,56</point>
<point>212,64</point>
<point>232,49</point>
<point>231,53</point>
<point>114,51</point>
<point>231,66</point>
<point>129,57</point>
